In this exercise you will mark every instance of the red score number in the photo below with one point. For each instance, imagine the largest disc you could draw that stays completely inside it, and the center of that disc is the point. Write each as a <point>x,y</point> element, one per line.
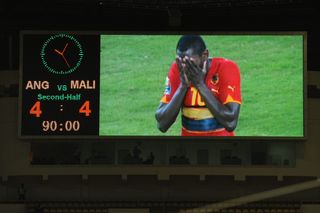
<point>36,109</point>
<point>85,108</point>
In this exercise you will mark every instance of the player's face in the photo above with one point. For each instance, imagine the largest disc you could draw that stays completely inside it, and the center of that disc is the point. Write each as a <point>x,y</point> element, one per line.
<point>191,55</point>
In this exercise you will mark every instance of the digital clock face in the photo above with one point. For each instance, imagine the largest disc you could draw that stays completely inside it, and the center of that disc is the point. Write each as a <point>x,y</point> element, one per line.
<point>60,84</point>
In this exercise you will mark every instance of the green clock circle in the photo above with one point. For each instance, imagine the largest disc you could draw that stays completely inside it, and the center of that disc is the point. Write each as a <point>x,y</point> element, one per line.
<point>61,54</point>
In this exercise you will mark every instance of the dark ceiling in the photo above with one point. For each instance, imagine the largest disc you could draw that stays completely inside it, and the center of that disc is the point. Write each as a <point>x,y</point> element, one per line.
<point>155,14</point>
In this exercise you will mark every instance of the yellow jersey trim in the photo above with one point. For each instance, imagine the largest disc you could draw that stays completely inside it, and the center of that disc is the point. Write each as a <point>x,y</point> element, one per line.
<point>164,100</point>
<point>196,113</point>
<point>230,99</point>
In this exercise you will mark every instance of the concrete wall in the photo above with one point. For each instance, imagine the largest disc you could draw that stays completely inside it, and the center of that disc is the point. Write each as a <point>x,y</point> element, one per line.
<point>128,210</point>
<point>310,208</point>
<point>12,208</point>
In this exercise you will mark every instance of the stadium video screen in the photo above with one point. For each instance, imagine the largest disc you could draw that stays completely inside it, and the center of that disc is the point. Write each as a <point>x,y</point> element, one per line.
<point>203,85</point>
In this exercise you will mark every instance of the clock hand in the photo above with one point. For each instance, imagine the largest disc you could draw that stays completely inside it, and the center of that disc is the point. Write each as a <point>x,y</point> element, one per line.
<point>64,49</point>
<point>65,60</point>
<point>62,54</point>
<point>57,51</point>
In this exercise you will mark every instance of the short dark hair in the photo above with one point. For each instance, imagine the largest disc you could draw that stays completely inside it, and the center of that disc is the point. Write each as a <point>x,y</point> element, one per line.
<point>191,41</point>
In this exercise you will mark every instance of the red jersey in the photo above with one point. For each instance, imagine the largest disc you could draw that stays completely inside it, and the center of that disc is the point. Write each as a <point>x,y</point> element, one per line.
<point>223,79</point>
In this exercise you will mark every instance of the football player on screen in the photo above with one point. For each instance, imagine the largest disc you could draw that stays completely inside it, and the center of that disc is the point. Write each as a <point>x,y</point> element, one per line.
<point>206,90</point>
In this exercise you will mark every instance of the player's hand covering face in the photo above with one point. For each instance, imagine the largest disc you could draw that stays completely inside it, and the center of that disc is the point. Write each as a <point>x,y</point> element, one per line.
<point>182,70</point>
<point>193,71</point>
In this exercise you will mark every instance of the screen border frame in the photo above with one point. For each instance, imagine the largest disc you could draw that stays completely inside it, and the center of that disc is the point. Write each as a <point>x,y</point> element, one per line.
<point>303,33</point>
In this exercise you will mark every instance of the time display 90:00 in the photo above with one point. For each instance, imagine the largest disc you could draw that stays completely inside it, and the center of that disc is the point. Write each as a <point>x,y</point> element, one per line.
<point>68,126</point>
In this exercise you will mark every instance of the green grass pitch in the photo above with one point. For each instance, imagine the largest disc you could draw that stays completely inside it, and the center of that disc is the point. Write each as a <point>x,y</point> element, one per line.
<point>134,68</point>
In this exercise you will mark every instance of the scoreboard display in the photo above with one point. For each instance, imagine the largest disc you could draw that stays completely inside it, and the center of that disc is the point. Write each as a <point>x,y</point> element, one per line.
<point>60,84</point>
<point>109,85</point>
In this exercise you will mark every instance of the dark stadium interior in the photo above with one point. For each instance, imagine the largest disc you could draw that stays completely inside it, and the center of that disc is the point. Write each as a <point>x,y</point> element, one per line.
<point>123,175</point>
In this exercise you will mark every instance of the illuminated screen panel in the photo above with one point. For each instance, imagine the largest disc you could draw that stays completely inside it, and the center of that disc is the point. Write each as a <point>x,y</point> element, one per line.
<point>111,85</point>
<point>60,84</point>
